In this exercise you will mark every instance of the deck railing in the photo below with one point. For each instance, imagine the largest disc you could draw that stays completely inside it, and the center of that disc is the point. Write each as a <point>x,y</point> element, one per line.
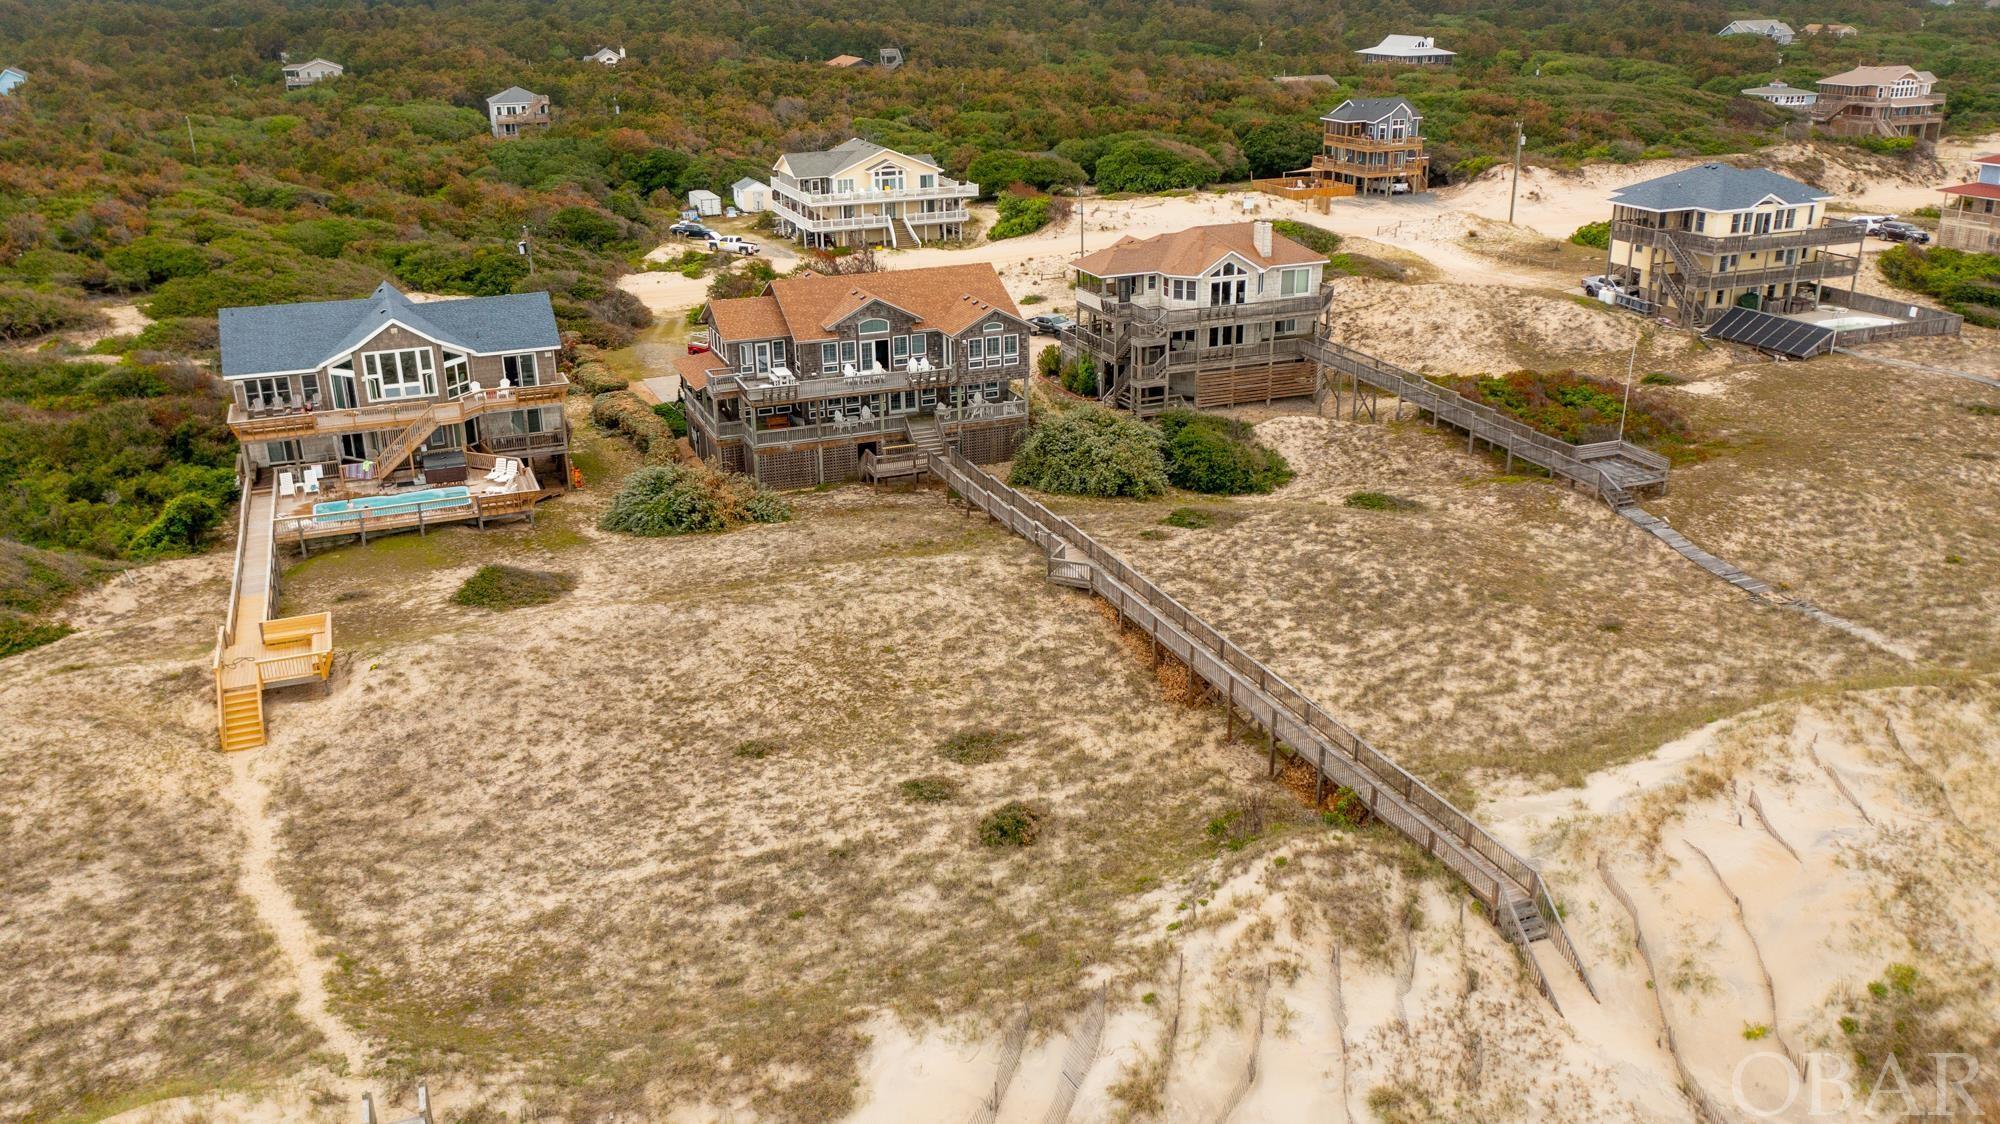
<point>251,425</point>
<point>1488,867</point>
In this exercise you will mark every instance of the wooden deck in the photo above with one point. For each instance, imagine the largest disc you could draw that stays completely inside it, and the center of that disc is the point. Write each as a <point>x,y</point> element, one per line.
<point>1613,470</point>
<point>253,649</point>
<point>1517,899</point>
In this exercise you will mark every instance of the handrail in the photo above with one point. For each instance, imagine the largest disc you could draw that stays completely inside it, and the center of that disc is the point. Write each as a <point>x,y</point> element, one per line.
<point>245,483</point>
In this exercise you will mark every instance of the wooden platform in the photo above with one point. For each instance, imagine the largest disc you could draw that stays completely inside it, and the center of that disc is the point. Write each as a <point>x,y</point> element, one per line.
<point>1517,899</point>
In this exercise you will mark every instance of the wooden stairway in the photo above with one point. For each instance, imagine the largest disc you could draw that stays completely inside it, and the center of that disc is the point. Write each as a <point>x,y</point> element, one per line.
<point>242,717</point>
<point>1528,920</point>
<point>406,443</point>
<point>926,436</point>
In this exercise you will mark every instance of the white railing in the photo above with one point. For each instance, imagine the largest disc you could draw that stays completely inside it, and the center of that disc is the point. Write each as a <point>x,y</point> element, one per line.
<point>864,222</point>
<point>949,189</point>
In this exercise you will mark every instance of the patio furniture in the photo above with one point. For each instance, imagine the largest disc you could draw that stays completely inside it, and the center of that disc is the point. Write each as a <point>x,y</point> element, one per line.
<point>312,481</point>
<point>286,487</point>
<point>867,415</point>
<point>847,371</point>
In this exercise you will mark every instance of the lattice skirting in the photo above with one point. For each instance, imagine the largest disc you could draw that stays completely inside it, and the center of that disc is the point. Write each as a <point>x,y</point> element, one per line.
<point>1253,384</point>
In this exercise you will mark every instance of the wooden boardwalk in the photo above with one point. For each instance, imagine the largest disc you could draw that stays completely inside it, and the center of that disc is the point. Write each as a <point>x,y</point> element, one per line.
<point>1613,470</point>
<point>1516,898</point>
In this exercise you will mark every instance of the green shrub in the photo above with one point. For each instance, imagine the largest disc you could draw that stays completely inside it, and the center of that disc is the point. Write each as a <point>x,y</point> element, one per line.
<point>1013,824</point>
<point>1080,377</point>
<point>586,226</point>
<point>594,378</point>
<point>1151,165</point>
<point>1276,147</point>
<point>1318,239</point>
<point>675,415</point>
<point>1091,451</point>
<point>1883,145</point>
<point>680,499</point>
<point>179,528</point>
<point>621,412</point>
<point>1966,283</point>
<point>932,789</point>
<point>977,745</point>
<point>1189,518</point>
<point>1218,456</point>
<point>1048,362</point>
<point>1578,408</point>
<point>1593,234</point>
<point>150,260</point>
<point>512,587</point>
<point>1381,501</point>
<point>19,633</point>
<point>26,313</point>
<point>1020,214</point>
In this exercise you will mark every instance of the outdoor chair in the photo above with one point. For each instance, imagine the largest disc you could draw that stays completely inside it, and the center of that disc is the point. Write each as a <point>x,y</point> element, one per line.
<point>286,487</point>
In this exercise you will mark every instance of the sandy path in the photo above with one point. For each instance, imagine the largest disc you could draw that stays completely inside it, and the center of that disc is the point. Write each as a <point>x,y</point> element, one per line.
<point>249,795</point>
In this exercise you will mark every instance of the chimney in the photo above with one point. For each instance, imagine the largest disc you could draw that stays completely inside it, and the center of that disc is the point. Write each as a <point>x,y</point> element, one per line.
<point>1260,235</point>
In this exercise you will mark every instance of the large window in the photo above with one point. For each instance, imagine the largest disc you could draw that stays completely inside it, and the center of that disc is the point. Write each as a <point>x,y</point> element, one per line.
<point>829,357</point>
<point>457,374</point>
<point>519,370</point>
<point>874,326</point>
<point>267,394</point>
<point>341,384</point>
<point>1296,282</point>
<point>888,177</point>
<point>399,374</point>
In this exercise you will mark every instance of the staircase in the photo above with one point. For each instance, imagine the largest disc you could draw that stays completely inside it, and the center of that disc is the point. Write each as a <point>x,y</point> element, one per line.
<point>405,444</point>
<point>1068,566</point>
<point>926,436</point>
<point>912,228</point>
<point>242,716</point>
<point>1534,927</point>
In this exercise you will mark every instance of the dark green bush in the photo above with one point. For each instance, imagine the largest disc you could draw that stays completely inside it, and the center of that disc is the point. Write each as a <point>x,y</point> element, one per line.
<point>1091,451</point>
<point>1080,377</point>
<point>1578,408</point>
<point>512,587</point>
<point>179,528</point>
<point>932,789</point>
<point>1013,824</point>
<point>1048,362</point>
<point>1218,456</point>
<point>1020,214</point>
<point>675,415</point>
<point>26,313</point>
<point>1966,283</point>
<point>1189,518</point>
<point>1148,165</point>
<point>679,498</point>
<point>1318,239</point>
<point>1593,234</point>
<point>977,745</point>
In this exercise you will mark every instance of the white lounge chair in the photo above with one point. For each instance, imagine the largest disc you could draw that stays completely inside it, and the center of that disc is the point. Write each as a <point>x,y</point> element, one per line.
<point>473,390</point>
<point>312,480</point>
<point>499,466</point>
<point>867,415</point>
<point>847,371</point>
<point>286,487</point>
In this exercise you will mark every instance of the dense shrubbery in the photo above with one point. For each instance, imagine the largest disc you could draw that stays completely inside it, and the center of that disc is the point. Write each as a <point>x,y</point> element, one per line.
<point>681,498</point>
<point>25,313</point>
<point>592,377</point>
<point>675,415</point>
<point>622,412</point>
<point>1966,283</point>
<point>1013,824</point>
<point>1001,169</point>
<point>1594,234</point>
<point>1021,214</point>
<point>1578,408</point>
<point>1092,451</point>
<point>1146,165</point>
<point>1318,239</point>
<point>1218,455</point>
<point>1287,144</point>
<point>180,528</point>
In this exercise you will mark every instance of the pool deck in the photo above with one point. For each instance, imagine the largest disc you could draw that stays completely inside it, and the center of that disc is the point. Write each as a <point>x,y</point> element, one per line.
<point>295,525</point>
<point>1840,319</point>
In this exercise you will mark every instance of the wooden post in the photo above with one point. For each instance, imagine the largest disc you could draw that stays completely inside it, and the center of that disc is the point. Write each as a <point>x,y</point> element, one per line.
<point>1271,739</point>
<point>1319,783</point>
<point>1230,706</point>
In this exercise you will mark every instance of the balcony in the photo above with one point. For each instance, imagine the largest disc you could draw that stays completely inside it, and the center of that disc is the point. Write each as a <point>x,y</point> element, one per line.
<point>863,222</point>
<point>761,390</point>
<point>284,419</point>
<point>947,189</point>
<point>1832,232</point>
<point>1154,319</point>
<point>1372,144</point>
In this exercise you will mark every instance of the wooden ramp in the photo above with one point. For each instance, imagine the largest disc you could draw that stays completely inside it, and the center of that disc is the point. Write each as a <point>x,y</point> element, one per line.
<point>255,651</point>
<point>1516,898</point>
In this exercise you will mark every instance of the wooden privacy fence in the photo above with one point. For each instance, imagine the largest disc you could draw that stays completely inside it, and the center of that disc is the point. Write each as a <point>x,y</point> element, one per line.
<point>1512,890</point>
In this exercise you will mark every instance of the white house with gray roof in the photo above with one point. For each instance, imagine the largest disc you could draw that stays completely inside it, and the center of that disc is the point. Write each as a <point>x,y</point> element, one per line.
<point>11,79</point>
<point>860,193</point>
<point>299,75</point>
<point>1410,50</point>
<point>514,111</point>
<point>1697,242</point>
<point>1777,31</point>
<point>1783,96</point>
<point>368,389</point>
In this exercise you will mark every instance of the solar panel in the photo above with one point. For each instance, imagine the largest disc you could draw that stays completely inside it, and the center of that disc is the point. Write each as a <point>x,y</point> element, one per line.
<point>1766,332</point>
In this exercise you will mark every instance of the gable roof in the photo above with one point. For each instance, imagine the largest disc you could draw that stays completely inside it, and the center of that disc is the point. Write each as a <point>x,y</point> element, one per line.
<point>512,95</point>
<point>846,61</point>
<point>1409,46</point>
<point>1368,110</point>
<point>1715,187</point>
<point>314,62</point>
<point>1876,76</point>
<point>1756,27</point>
<point>746,181</point>
<point>804,307</point>
<point>1991,158</point>
<point>272,338</point>
<point>1191,252</point>
<point>695,369</point>
<point>819,165</point>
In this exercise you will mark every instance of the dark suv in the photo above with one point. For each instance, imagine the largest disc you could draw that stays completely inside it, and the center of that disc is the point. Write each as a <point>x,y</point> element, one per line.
<point>1902,232</point>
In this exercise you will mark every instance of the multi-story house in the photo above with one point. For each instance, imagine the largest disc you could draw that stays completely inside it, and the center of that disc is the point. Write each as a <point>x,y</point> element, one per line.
<point>1700,241</point>
<point>1408,50</point>
<point>1208,316</point>
<point>513,111</point>
<point>301,74</point>
<point>1783,96</point>
<point>1970,217</point>
<point>826,378</point>
<point>863,194</point>
<point>1777,31</point>
<point>1374,145</point>
<point>11,79</point>
<point>1880,101</point>
<point>383,392</point>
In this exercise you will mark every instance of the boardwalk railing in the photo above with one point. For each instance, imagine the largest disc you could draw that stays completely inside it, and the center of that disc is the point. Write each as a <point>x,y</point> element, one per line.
<point>1576,463</point>
<point>1495,874</point>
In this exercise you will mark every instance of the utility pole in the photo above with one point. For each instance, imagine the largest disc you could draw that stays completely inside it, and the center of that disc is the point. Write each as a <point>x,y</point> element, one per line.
<point>192,154</point>
<point>1520,142</point>
<point>1630,364</point>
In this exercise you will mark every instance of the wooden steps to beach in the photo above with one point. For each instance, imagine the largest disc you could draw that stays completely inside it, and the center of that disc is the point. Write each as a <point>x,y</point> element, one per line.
<point>1721,568</point>
<point>242,717</point>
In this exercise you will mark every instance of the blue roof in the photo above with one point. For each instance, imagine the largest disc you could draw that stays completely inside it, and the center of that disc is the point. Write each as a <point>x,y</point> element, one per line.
<point>270,338</point>
<point>1716,187</point>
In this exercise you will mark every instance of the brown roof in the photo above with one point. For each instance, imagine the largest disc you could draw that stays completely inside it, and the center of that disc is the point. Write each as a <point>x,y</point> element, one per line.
<point>1975,190</point>
<point>1876,76</point>
<point>945,298</point>
<point>1991,158</point>
<point>695,369</point>
<point>843,60</point>
<point>1190,252</point>
<point>747,318</point>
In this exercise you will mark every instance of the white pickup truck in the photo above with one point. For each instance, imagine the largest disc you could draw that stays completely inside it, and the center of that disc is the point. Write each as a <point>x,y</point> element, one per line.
<point>732,244</point>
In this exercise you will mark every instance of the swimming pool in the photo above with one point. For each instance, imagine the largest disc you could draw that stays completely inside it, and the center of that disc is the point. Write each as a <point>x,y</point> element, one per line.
<point>403,503</point>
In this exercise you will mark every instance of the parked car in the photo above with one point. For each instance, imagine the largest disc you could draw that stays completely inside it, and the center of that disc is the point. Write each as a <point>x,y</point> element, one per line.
<point>1902,232</point>
<point>1597,283</point>
<point>1871,224</point>
<point>699,345</point>
<point>1050,324</point>
<point>732,244</point>
<point>691,229</point>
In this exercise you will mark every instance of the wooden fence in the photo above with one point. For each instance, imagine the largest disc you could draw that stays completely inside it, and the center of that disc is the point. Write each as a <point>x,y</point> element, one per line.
<point>1494,873</point>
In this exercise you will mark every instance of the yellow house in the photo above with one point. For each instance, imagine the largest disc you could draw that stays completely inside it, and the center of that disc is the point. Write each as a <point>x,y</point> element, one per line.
<point>1698,242</point>
<point>861,194</point>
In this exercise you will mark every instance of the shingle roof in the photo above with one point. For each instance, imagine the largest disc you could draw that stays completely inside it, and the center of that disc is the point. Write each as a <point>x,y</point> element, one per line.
<point>268,338</point>
<point>746,181</point>
<point>512,95</point>
<point>945,298</point>
<point>1990,158</point>
<point>1191,252</point>
<point>695,369</point>
<point>819,165</point>
<point>1778,89</point>
<point>1367,109</point>
<point>1876,76</point>
<point>1715,187</point>
<point>1406,45</point>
